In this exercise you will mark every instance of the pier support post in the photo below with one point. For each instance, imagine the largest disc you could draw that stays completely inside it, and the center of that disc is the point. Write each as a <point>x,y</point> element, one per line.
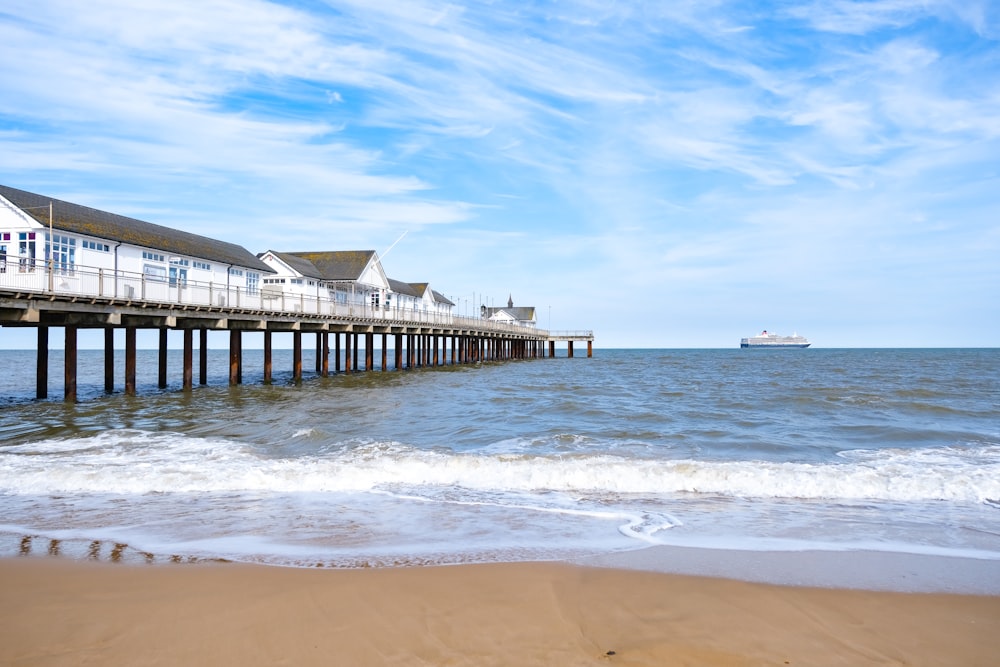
<point>347,352</point>
<point>109,360</point>
<point>297,356</point>
<point>569,352</point>
<point>319,353</point>
<point>552,349</point>
<point>42,363</point>
<point>385,352</point>
<point>369,351</point>
<point>70,364</point>
<point>188,363</point>
<point>162,375</point>
<point>130,361</point>
<point>590,349</point>
<point>325,367</point>
<point>268,365</point>
<point>398,351</point>
<point>203,356</point>
<point>336,352</point>
<point>235,357</point>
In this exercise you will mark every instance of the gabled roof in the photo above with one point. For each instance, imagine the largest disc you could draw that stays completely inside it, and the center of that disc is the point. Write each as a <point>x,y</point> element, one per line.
<point>336,264</point>
<point>519,313</point>
<point>77,219</point>
<point>301,266</point>
<point>440,298</point>
<point>399,287</point>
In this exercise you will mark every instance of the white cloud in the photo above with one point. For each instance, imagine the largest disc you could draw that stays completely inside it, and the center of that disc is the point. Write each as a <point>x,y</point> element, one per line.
<point>722,161</point>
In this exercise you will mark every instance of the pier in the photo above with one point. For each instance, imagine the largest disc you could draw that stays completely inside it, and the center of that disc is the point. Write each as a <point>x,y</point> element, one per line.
<point>426,340</point>
<point>68,266</point>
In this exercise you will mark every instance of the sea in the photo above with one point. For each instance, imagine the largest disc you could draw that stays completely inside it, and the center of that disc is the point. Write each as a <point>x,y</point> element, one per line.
<point>893,451</point>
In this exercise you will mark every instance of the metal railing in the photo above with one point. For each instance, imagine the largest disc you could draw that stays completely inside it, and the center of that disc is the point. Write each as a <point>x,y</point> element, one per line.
<point>32,277</point>
<point>577,334</point>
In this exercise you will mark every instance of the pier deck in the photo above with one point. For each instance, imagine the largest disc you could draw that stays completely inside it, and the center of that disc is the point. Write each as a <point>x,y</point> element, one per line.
<point>419,339</point>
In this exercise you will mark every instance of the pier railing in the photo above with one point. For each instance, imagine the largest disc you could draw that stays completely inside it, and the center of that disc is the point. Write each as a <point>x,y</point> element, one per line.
<point>575,334</point>
<point>130,288</point>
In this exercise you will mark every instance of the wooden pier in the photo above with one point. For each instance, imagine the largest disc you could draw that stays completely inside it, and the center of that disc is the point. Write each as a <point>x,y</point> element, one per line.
<point>415,344</point>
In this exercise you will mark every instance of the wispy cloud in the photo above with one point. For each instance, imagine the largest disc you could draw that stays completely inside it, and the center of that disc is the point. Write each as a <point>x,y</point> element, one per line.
<point>711,162</point>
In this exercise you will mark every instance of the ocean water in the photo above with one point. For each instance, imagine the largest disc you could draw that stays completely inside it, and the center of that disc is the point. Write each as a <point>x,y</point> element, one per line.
<point>876,450</point>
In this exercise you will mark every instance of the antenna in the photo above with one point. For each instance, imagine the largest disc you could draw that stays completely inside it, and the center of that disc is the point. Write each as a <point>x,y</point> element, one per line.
<point>382,256</point>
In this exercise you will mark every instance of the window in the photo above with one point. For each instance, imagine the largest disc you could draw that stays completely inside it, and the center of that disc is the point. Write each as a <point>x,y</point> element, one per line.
<point>177,261</point>
<point>3,256</point>
<point>154,273</point>
<point>253,282</point>
<point>296,281</point>
<point>236,272</point>
<point>178,276</point>
<point>375,299</point>
<point>156,257</point>
<point>94,245</point>
<point>201,265</point>
<point>26,251</point>
<point>63,253</point>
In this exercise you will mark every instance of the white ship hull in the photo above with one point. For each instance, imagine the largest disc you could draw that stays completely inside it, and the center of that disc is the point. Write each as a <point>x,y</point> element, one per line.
<point>770,340</point>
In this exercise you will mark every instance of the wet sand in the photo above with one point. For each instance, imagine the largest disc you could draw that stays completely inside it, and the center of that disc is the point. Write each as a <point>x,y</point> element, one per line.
<point>55,611</point>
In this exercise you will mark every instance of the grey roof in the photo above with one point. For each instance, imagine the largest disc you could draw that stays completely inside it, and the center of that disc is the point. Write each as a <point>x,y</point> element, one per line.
<point>77,219</point>
<point>399,287</point>
<point>334,264</point>
<point>441,298</point>
<point>303,266</point>
<point>519,313</point>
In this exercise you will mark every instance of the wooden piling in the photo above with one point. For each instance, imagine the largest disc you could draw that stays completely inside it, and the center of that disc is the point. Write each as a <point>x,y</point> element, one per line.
<point>130,361</point>
<point>319,353</point>
<point>336,353</point>
<point>325,366</point>
<point>188,363</point>
<point>369,351</point>
<point>162,374</point>
<point>203,356</point>
<point>42,363</point>
<point>347,353</point>
<point>109,360</point>
<point>268,363</point>
<point>235,357</point>
<point>297,356</point>
<point>69,363</point>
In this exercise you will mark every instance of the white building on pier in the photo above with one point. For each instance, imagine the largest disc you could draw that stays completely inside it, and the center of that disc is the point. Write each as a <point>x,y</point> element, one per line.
<point>128,258</point>
<point>517,315</point>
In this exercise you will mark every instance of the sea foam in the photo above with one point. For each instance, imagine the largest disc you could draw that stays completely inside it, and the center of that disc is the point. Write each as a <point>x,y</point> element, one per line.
<point>138,462</point>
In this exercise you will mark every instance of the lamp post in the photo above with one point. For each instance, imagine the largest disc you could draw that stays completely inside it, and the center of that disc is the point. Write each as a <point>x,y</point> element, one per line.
<point>52,248</point>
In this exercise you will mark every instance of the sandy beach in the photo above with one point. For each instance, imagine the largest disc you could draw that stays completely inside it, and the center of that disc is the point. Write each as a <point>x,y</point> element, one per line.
<point>63,612</point>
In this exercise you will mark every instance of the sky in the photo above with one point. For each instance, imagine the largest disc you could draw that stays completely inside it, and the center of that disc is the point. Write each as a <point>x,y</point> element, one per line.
<point>667,174</point>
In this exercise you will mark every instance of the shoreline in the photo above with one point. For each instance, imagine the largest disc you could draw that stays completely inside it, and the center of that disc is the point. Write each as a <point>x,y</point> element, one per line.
<point>867,570</point>
<point>871,570</point>
<point>56,611</point>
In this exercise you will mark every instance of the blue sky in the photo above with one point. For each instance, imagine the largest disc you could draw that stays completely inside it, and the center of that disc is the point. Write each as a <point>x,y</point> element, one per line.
<point>669,174</point>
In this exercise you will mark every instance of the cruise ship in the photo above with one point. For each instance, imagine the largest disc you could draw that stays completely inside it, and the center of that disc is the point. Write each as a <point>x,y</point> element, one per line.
<point>772,340</point>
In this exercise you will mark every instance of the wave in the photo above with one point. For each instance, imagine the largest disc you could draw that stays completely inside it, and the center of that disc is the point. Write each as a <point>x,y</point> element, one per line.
<point>140,462</point>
